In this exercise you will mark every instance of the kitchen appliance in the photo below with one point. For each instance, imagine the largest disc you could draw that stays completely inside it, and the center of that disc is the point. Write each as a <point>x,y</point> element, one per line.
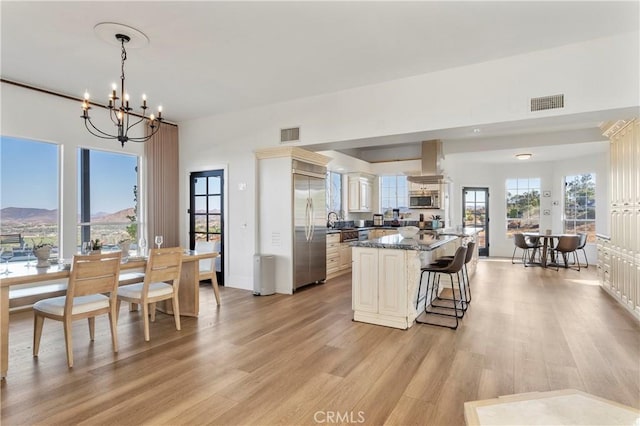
<point>396,214</point>
<point>363,235</point>
<point>378,220</point>
<point>431,171</point>
<point>425,200</point>
<point>309,221</point>
<point>348,234</point>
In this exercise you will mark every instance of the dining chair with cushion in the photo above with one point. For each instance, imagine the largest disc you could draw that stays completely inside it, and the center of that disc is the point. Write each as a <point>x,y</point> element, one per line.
<point>521,242</point>
<point>206,267</point>
<point>161,282</point>
<point>567,244</point>
<point>92,291</point>
<point>581,244</point>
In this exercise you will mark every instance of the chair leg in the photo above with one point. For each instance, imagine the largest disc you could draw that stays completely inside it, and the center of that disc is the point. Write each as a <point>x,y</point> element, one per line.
<point>176,310</point>
<point>145,318</point>
<point>585,258</point>
<point>92,328</point>
<point>513,255</point>
<point>38,322</point>
<point>113,323</point>
<point>68,340</point>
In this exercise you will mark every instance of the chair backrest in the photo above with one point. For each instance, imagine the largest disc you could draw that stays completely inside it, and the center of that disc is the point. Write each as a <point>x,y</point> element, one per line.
<point>164,264</point>
<point>583,240</point>
<point>470,247</point>
<point>520,241</point>
<point>93,274</point>
<point>206,265</point>
<point>458,260</point>
<point>568,243</point>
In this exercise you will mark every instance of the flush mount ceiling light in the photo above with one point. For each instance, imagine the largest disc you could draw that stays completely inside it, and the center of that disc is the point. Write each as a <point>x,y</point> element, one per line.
<point>121,115</point>
<point>523,156</point>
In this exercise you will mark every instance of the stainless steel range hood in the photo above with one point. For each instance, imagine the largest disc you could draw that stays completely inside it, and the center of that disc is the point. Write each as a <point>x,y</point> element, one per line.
<point>431,171</point>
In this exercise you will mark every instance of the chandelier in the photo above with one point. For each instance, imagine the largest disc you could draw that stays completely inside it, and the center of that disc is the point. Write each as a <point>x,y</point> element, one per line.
<point>120,113</point>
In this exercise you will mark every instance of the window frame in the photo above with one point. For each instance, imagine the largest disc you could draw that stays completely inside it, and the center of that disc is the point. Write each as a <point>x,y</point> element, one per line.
<point>399,198</point>
<point>591,234</point>
<point>534,220</point>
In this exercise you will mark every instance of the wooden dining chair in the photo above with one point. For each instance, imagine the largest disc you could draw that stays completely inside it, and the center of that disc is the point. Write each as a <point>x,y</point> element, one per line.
<point>161,282</point>
<point>206,267</point>
<point>90,277</point>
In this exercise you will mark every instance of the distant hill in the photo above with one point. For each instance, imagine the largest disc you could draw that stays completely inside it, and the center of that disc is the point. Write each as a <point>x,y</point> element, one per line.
<point>10,215</point>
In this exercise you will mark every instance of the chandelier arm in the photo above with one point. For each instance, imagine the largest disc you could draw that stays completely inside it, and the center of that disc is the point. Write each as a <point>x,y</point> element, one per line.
<point>100,132</point>
<point>134,124</point>
<point>113,115</point>
<point>146,138</point>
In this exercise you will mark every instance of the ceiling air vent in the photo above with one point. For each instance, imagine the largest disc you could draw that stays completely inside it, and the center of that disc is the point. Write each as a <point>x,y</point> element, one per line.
<point>547,102</point>
<point>290,135</point>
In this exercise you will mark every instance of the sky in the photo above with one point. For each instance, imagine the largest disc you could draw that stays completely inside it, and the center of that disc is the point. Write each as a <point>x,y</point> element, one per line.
<point>29,176</point>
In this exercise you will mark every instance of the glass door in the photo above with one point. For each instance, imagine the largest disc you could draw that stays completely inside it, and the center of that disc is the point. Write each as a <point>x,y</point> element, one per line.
<point>206,213</point>
<point>475,214</point>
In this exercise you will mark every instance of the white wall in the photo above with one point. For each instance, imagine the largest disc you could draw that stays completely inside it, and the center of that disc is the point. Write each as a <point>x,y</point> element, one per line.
<point>38,116</point>
<point>495,91</point>
<point>494,176</point>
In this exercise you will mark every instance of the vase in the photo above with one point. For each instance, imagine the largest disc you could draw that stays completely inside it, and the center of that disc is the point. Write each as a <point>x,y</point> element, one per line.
<point>42,254</point>
<point>435,224</point>
<point>124,247</point>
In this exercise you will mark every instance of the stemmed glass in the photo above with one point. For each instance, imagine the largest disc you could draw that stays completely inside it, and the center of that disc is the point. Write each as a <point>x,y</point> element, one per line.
<point>159,240</point>
<point>142,244</point>
<point>29,251</point>
<point>7,254</point>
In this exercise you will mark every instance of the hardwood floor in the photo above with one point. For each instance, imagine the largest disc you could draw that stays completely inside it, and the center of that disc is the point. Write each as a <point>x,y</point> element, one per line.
<point>300,359</point>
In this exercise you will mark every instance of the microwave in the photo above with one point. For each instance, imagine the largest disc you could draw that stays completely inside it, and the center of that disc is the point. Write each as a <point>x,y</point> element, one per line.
<point>423,201</point>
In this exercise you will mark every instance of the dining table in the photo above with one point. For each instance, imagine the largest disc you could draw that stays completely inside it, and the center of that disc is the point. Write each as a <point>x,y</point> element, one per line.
<point>21,273</point>
<point>548,243</point>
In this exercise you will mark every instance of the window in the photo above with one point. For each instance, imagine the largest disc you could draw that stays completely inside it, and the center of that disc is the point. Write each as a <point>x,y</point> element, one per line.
<point>394,194</point>
<point>29,173</point>
<point>580,205</point>
<point>334,193</point>
<point>523,205</point>
<point>107,197</point>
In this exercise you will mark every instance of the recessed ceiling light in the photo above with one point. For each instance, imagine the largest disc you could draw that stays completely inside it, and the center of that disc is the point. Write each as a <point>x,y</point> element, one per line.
<point>523,156</point>
<point>476,130</point>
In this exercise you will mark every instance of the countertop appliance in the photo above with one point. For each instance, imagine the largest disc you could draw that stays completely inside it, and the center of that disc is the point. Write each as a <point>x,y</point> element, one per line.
<point>309,221</point>
<point>378,220</point>
<point>426,200</point>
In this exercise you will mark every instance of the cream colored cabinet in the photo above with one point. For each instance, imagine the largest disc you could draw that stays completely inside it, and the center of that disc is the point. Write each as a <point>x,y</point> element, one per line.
<point>379,282</point>
<point>345,257</point>
<point>333,255</point>
<point>619,258</point>
<point>359,193</point>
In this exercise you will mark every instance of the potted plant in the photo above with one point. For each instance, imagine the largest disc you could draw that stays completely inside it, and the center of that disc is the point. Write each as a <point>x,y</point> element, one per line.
<point>96,246</point>
<point>42,251</point>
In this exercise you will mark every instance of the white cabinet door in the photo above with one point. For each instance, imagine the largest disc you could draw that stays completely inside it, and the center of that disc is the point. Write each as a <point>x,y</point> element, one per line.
<point>354,194</point>
<point>392,290</point>
<point>365,280</point>
<point>365,195</point>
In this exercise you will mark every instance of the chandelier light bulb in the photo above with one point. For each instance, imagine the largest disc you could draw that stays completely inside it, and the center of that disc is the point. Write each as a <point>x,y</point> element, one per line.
<point>86,95</point>
<point>152,117</point>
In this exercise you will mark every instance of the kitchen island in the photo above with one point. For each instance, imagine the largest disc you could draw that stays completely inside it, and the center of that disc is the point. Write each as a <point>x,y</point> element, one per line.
<point>386,272</point>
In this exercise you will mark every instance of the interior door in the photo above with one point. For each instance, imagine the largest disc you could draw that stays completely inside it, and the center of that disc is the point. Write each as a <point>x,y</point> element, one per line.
<point>475,214</point>
<point>206,213</point>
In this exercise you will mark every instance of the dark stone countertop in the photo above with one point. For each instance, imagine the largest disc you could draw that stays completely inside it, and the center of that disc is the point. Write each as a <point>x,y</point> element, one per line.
<point>424,241</point>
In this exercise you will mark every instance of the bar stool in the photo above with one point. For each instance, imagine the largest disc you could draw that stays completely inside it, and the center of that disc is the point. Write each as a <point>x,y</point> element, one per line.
<point>453,267</point>
<point>466,283</point>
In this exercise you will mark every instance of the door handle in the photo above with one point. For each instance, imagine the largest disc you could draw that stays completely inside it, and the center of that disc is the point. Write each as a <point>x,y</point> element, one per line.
<point>306,221</point>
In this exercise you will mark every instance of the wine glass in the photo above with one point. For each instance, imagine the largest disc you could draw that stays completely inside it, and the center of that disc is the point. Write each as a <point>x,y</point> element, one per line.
<point>159,240</point>
<point>29,251</point>
<point>142,245</point>
<point>7,254</point>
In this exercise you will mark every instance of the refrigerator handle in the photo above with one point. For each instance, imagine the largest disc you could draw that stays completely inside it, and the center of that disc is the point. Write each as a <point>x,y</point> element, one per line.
<point>311,219</point>
<point>306,224</point>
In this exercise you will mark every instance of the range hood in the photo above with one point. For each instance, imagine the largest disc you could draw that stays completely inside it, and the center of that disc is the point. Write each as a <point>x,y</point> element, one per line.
<point>431,171</point>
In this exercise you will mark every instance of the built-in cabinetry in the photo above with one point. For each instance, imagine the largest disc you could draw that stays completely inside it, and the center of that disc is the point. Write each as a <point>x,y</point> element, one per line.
<point>619,256</point>
<point>359,196</point>
<point>338,256</point>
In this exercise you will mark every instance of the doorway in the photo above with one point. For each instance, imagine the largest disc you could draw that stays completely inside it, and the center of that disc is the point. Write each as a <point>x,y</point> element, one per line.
<point>206,213</point>
<point>475,214</point>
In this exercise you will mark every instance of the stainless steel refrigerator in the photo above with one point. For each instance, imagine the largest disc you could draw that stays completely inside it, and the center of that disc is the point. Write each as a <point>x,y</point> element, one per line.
<point>309,221</point>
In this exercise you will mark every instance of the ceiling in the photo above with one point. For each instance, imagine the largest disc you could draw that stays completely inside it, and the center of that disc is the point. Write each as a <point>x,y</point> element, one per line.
<point>208,58</point>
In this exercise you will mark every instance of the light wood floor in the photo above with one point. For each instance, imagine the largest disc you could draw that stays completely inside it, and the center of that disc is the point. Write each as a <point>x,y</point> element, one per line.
<point>301,359</point>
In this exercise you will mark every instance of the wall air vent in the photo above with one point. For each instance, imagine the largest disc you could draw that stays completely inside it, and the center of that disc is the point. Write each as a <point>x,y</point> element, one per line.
<point>290,135</point>
<point>547,102</point>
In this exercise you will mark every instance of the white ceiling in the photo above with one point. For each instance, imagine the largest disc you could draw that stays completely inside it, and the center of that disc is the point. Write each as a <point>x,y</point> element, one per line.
<point>206,58</point>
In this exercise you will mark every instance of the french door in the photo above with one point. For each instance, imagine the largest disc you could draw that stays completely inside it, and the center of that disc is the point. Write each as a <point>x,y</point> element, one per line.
<point>206,213</point>
<point>475,214</point>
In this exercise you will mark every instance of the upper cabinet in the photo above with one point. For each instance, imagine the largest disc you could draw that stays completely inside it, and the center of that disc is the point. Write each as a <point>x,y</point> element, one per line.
<point>360,192</point>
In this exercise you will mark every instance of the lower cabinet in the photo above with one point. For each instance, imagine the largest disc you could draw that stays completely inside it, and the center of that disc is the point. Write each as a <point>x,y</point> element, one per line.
<point>619,274</point>
<point>338,256</point>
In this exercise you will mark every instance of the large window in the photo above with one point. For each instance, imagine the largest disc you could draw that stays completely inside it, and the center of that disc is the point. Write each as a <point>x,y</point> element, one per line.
<point>29,195</point>
<point>107,197</point>
<point>334,193</point>
<point>580,205</point>
<point>523,205</point>
<point>394,194</point>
